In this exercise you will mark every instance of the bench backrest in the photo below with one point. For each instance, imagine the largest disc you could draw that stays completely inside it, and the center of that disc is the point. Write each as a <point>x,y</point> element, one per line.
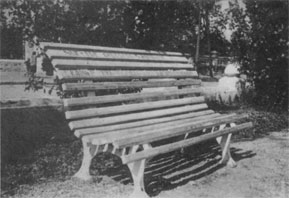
<point>100,80</point>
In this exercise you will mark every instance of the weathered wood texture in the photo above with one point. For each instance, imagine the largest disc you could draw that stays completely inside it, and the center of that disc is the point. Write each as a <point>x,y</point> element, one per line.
<point>127,97</point>
<point>63,46</point>
<point>96,130</point>
<point>131,84</point>
<point>80,62</point>
<point>167,148</point>
<point>103,75</point>
<point>165,130</point>
<point>84,123</point>
<point>71,54</point>
<point>104,64</point>
<point>103,111</point>
<point>134,98</point>
<point>172,129</point>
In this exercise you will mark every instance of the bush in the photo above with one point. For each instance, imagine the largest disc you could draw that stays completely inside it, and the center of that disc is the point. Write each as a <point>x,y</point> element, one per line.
<point>261,42</point>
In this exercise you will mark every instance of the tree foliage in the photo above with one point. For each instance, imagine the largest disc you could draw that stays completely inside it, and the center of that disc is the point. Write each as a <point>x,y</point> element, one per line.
<point>261,42</point>
<point>260,37</point>
<point>159,25</point>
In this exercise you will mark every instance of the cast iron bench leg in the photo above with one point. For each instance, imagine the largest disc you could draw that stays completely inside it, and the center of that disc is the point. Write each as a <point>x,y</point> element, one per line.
<point>89,151</point>
<point>137,171</point>
<point>224,142</point>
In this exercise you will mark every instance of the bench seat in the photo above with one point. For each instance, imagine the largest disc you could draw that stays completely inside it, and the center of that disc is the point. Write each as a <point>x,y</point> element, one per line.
<point>124,101</point>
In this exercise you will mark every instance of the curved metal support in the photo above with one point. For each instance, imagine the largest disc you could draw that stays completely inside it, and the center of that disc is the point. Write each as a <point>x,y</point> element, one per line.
<point>137,171</point>
<point>89,151</point>
<point>224,142</point>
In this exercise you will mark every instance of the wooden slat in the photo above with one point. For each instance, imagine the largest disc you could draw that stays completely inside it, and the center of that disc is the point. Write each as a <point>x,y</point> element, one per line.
<point>111,136</point>
<point>154,133</point>
<point>96,130</point>
<point>166,132</point>
<point>147,134</point>
<point>118,56</point>
<point>95,64</point>
<point>134,116</point>
<point>133,84</point>
<point>126,97</point>
<point>105,111</point>
<point>188,142</point>
<point>63,46</point>
<point>121,75</point>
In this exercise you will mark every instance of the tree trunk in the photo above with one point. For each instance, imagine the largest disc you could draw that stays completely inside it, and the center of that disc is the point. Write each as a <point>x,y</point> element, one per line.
<point>209,43</point>
<point>198,42</point>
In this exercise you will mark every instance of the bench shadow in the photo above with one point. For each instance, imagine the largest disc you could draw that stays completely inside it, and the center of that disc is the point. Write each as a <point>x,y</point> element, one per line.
<point>174,169</point>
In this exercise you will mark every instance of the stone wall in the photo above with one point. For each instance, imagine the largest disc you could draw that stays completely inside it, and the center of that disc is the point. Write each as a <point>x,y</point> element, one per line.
<point>12,65</point>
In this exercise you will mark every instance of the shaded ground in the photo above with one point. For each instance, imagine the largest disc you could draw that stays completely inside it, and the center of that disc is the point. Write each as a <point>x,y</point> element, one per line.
<point>262,172</point>
<point>40,154</point>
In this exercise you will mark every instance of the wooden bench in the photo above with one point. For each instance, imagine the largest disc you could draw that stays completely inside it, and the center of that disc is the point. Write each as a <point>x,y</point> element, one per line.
<point>122,100</point>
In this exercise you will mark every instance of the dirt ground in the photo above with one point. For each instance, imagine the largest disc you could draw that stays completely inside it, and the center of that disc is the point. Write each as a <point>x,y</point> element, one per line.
<point>262,171</point>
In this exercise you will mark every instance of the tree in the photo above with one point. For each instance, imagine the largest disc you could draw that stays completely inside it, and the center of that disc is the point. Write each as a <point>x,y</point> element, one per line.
<point>11,41</point>
<point>261,41</point>
<point>165,25</point>
<point>156,25</point>
<point>211,25</point>
<point>86,22</point>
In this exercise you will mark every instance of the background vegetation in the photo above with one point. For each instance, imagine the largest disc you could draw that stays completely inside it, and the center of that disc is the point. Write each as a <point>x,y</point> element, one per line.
<point>259,39</point>
<point>262,48</point>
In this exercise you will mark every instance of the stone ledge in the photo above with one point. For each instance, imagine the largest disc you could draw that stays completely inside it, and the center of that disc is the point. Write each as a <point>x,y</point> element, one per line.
<point>32,103</point>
